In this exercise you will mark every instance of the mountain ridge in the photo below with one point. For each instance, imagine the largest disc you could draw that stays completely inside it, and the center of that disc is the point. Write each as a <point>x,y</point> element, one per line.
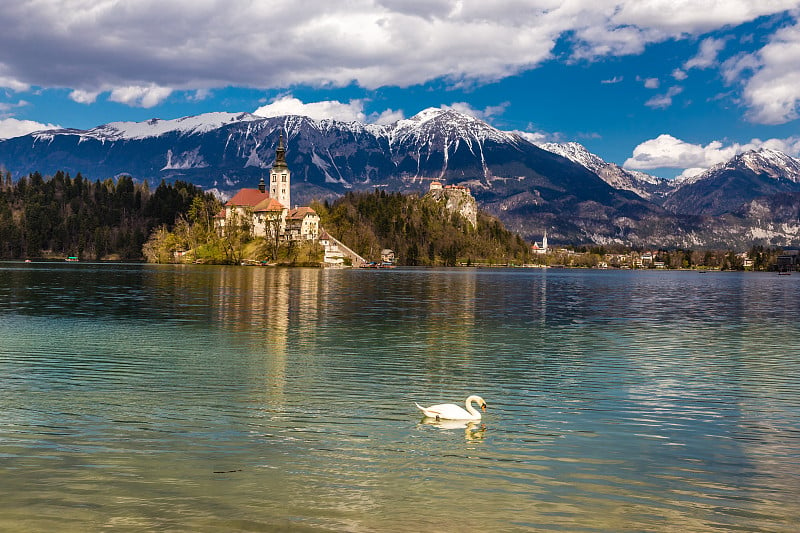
<point>565,190</point>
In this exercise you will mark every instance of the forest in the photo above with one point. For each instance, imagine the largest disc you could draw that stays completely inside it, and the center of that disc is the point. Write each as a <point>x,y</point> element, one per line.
<point>420,230</point>
<point>62,216</point>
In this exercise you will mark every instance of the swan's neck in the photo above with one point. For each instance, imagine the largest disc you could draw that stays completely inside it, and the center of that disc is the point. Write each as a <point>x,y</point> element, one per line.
<point>471,410</point>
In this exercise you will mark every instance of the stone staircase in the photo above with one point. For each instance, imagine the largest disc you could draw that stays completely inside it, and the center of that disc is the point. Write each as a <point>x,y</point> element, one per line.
<point>336,253</point>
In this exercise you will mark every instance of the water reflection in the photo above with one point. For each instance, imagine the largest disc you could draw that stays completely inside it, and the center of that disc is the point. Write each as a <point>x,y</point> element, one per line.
<point>179,397</point>
<point>472,430</point>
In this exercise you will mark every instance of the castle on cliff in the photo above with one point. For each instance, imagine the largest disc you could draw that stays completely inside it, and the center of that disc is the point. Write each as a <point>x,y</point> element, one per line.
<point>457,198</point>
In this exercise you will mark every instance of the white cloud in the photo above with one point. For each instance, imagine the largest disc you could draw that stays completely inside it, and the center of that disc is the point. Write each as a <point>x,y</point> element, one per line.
<point>690,173</point>
<point>142,52</point>
<point>707,55</point>
<point>483,114</point>
<point>13,84</point>
<point>353,111</point>
<point>663,101</point>
<point>679,75</point>
<point>615,79</point>
<point>695,16</point>
<point>651,83</point>
<point>534,137</point>
<point>11,127</point>
<point>733,68</point>
<point>666,151</point>
<point>140,96</point>
<point>6,106</point>
<point>83,97</point>
<point>199,95</point>
<point>329,109</point>
<point>388,116</point>
<point>772,93</point>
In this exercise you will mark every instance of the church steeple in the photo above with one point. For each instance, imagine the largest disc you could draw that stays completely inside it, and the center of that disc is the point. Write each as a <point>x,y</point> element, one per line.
<point>280,178</point>
<point>280,154</point>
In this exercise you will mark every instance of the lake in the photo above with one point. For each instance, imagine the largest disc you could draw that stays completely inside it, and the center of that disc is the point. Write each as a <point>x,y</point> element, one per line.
<point>194,398</point>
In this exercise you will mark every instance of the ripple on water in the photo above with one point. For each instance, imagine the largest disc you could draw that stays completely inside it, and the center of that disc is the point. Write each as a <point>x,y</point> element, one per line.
<point>179,398</point>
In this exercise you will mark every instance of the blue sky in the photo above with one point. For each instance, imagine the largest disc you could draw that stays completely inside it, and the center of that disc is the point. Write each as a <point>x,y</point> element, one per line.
<point>668,87</point>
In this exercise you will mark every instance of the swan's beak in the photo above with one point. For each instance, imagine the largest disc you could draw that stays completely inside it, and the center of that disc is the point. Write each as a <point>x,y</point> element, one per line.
<point>483,407</point>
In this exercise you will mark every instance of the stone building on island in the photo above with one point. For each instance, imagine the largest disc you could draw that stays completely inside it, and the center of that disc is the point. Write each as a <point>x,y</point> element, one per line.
<point>269,212</point>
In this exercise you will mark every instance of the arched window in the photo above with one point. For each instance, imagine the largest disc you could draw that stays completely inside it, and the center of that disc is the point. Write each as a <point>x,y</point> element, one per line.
<point>283,178</point>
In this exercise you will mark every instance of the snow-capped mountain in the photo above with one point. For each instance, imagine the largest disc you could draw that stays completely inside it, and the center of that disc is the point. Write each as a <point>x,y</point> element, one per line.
<point>115,131</point>
<point>645,185</point>
<point>771,163</point>
<point>727,186</point>
<point>572,194</point>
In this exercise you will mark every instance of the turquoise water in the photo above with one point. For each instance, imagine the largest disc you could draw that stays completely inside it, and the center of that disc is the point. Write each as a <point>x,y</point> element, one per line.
<point>161,398</point>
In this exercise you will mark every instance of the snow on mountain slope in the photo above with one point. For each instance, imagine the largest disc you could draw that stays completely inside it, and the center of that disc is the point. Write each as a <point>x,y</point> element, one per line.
<point>644,185</point>
<point>433,123</point>
<point>766,161</point>
<point>157,127</point>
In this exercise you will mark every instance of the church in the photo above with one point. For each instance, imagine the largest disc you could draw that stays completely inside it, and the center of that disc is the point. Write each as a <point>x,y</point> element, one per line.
<point>269,214</point>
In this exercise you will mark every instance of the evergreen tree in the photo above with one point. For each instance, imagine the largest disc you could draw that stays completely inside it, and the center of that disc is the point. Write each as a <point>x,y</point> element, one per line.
<point>59,216</point>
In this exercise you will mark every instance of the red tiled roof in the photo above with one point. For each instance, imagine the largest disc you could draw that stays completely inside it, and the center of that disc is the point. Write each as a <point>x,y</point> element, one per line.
<point>248,197</point>
<point>300,212</point>
<point>268,204</point>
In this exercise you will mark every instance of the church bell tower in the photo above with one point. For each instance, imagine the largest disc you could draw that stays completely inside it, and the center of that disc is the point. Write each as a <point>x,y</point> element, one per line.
<point>280,178</point>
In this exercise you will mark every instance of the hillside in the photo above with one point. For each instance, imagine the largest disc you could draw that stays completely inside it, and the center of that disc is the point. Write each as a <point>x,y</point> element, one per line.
<point>420,230</point>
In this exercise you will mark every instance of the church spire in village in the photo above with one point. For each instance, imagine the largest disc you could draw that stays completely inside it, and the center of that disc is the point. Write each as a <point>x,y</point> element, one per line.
<point>280,178</point>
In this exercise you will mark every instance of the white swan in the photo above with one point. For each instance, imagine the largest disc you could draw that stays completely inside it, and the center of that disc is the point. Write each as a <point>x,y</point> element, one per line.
<point>449,411</point>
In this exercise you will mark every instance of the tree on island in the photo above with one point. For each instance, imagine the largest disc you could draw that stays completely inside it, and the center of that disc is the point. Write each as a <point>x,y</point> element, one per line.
<point>60,216</point>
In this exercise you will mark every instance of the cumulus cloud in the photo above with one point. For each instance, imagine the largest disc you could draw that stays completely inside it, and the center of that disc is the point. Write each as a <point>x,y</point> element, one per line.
<point>140,96</point>
<point>83,97</point>
<point>388,116</point>
<point>11,127</point>
<point>199,95</point>
<point>772,92</point>
<point>535,137</point>
<point>352,111</point>
<point>694,17</point>
<point>139,52</point>
<point>484,114</point>
<point>679,75</point>
<point>666,151</point>
<point>663,101</point>
<point>9,82</point>
<point>652,83</point>
<point>707,55</point>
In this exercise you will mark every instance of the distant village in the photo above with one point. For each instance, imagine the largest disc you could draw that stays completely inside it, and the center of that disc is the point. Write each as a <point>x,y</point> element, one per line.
<point>755,259</point>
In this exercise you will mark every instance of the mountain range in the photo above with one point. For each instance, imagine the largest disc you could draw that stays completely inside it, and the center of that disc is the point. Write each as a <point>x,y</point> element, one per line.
<point>560,188</point>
